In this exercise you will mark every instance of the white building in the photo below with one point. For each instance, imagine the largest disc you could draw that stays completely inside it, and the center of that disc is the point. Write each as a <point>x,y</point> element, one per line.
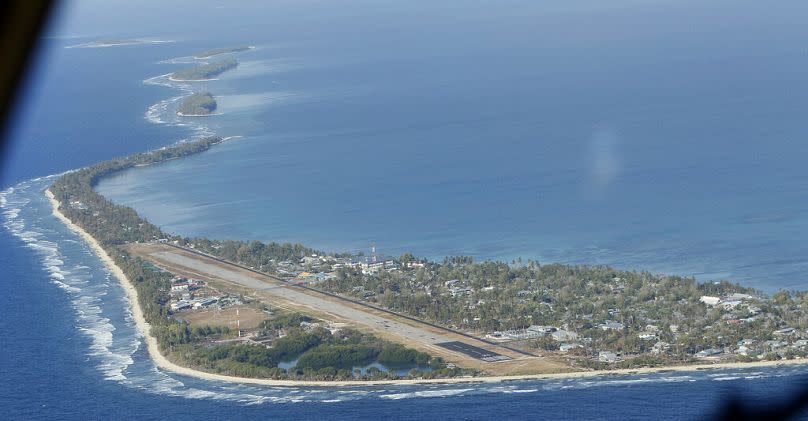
<point>612,326</point>
<point>738,296</point>
<point>711,352</point>
<point>648,336</point>
<point>564,336</point>
<point>568,347</point>
<point>180,305</point>
<point>542,329</point>
<point>607,357</point>
<point>709,300</point>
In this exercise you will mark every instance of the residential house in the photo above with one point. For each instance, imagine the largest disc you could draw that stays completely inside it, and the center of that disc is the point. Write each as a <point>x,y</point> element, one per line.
<point>710,301</point>
<point>564,335</point>
<point>710,352</point>
<point>607,357</point>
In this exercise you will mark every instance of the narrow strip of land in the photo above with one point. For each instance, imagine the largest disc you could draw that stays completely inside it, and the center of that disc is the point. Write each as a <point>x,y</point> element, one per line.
<point>352,301</point>
<point>466,350</point>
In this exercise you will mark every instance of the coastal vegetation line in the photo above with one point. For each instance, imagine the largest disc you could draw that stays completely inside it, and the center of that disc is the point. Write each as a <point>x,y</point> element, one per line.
<point>197,104</point>
<point>114,225</point>
<point>218,51</point>
<point>593,317</point>
<point>205,71</point>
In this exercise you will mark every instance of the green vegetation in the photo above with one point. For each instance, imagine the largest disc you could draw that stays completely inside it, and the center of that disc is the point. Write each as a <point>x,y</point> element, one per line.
<point>109,223</point>
<point>626,312</point>
<point>255,254</point>
<point>322,355</point>
<point>200,103</point>
<point>205,71</point>
<point>644,318</point>
<point>217,51</point>
<point>112,225</point>
<point>395,355</point>
<point>285,320</point>
<point>337,356</point>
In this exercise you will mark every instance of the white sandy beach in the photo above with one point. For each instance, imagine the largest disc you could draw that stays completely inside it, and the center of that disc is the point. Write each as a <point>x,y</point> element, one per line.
<point>250,47</point>
<point>181,114</point>
<point>161,361</point>
<point>173,79</point>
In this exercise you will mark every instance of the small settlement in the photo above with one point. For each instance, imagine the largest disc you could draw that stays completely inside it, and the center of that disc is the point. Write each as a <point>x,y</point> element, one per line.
<point>612,318</point>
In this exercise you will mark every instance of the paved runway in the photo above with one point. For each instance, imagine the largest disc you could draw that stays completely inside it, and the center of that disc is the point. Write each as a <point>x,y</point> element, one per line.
<point>289,293</point>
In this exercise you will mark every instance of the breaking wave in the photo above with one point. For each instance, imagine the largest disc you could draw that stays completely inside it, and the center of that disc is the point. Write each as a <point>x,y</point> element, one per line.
<point>165,111</point>
<point>116,349</point>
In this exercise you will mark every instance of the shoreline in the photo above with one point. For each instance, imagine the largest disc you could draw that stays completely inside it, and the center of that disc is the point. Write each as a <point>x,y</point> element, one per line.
<point>164,363</point>
<point>249,47</point>
<point>181,114</point>
<point>173,79</point>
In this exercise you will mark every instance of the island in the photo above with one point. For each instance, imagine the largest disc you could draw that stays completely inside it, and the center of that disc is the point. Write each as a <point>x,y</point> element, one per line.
<point>218,51</point>
<point>205,71</point>
<point>197,104</point>
<point>102,43</point>
<point>294,315</point>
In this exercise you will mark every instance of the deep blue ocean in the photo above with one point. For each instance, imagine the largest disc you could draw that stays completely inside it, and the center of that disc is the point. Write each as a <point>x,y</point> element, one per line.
<point>667,136</point>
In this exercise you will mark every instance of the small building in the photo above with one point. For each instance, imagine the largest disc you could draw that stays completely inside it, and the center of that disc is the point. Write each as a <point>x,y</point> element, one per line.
<point>457,291</point>
<point>544,330</point>
<point>310,260</point>
<point>452,283</point>
<point>569,346</point>
<point>785,331</point>
<point>181,287</point>
<point>206,302</point>
<point>648,336</point>
<point>710,352</point>
<point>607,357</point>
<point>737,296</point>
<point>521,334</point>
<point>612,326</point>
<point>180,305</point>
<point>710,301</point>
<point>369,268</point>
<point>564,336</point>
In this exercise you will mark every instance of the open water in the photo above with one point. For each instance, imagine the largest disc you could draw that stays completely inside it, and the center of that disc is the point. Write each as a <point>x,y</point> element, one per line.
<point>664,136</point>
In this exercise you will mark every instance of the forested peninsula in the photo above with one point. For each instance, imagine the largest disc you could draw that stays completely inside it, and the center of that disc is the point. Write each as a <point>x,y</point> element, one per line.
<point>218,51</point>
<point>205,71</point>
